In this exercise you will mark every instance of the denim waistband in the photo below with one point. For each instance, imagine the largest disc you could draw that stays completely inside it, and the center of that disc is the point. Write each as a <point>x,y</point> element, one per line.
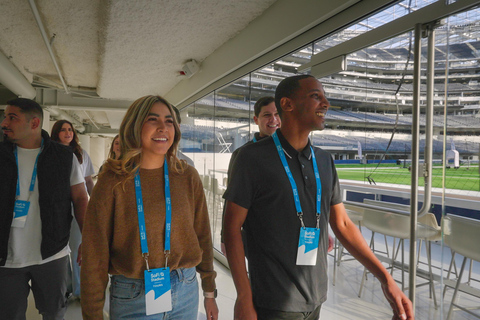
<point>181,272</point>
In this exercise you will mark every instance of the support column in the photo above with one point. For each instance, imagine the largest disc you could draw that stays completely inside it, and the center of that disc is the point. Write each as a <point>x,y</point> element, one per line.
<point>99,151</point>
<point>46,125</point>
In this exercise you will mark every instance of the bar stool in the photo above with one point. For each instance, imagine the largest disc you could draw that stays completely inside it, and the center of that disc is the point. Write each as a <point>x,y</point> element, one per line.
<point>338,249</point>
<point>397,225</point>
<point>462,236</point>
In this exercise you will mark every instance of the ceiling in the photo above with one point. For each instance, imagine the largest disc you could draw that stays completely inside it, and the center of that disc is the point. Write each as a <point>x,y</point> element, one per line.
<point>114,50</point>
<point>87,60</point>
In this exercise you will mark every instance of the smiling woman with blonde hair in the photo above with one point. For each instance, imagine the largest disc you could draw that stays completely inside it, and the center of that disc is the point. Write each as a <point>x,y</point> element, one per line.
<point>147,226</point>
<point>131,137</point>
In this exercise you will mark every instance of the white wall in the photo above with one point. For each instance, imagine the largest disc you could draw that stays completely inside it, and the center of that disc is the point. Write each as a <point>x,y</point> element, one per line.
<point>98,151</point>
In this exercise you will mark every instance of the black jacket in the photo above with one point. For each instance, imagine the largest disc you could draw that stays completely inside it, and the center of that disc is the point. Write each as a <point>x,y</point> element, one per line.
<point>53,178</point>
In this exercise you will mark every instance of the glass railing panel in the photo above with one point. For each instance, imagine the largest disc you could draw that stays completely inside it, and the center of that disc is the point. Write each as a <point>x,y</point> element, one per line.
<point>232,130</point>
<point>198,141</point>
<point>457,176</point>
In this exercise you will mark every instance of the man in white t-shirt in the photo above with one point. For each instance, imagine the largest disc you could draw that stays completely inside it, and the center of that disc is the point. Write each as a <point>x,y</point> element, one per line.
<point>40,181</point>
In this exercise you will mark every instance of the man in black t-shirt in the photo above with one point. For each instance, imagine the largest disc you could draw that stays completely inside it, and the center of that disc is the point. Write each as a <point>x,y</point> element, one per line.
<point>287,280</point>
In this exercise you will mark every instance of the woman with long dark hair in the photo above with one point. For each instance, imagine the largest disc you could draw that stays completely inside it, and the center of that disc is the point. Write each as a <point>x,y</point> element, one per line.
<point>64,133</point>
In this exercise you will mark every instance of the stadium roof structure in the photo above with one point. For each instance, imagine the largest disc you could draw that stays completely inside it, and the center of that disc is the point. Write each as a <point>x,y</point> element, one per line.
<point>367,88</point>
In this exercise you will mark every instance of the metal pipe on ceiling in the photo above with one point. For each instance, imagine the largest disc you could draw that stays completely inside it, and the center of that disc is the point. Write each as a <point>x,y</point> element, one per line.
<point>38,19</point>
<point>91,120</point>
<point>59,114</point>
<point>14,80</point>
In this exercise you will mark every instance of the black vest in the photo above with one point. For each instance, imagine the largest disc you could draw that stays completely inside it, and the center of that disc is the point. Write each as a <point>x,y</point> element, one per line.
<point>53,176</point>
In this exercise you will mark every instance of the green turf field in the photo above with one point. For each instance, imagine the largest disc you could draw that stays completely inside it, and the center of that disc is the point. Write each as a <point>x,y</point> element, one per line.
<point>463,178</point>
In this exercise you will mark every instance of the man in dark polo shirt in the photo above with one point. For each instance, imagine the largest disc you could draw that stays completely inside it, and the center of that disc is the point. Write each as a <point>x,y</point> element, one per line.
<point>268,121</point>
<point>287,235</point>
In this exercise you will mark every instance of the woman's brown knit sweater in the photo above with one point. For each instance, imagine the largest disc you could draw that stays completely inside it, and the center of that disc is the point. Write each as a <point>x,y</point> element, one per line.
<point>111,239</point>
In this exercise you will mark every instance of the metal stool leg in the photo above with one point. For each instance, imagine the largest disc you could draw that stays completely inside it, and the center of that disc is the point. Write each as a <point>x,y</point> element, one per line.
<point>335,261</point>
<point>449,315</point>
<point>449,271</point>
<point>428,245</point>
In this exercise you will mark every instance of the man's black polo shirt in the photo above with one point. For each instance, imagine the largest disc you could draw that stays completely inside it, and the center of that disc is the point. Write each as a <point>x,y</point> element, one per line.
<point>229,174</point>
<point>259,183</point>
<point>235,153</point>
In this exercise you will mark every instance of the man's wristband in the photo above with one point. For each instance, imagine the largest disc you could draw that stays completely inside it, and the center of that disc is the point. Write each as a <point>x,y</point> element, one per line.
<point>211,295</point>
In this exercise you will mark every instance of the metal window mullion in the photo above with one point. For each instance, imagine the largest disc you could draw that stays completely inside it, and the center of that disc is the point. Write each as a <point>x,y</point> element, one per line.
<point>415,156</point>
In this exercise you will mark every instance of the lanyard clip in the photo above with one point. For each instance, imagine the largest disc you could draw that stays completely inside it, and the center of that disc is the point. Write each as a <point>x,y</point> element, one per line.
<point>300,216</point>
<point>318,221</point>
<point>167,254</point>
<point>145,256</point>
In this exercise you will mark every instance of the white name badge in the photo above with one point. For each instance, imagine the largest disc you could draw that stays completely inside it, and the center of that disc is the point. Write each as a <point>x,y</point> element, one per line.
<point>308,246</point>
<point>158,291</point>
<point>20,213</point>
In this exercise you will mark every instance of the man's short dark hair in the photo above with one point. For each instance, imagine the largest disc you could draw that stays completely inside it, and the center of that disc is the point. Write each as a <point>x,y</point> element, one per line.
<point>28,107</point>
<point>262,102</point>
<point>286,88</point>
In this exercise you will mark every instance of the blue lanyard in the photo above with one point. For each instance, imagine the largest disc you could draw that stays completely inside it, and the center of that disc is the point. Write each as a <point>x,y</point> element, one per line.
<point>254,139</point>
<point>34,173</point>
<point>298,206</point>
<point>141,216</point>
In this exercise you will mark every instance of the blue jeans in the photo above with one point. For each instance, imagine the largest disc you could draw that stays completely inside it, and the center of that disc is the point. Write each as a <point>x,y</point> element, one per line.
<point>127,297</point>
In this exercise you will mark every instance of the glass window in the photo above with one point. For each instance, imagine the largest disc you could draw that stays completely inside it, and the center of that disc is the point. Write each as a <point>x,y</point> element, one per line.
<point>369,124</point>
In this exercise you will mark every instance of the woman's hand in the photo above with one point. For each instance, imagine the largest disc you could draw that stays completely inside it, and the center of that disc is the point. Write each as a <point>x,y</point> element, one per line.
<point>211,308</point>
